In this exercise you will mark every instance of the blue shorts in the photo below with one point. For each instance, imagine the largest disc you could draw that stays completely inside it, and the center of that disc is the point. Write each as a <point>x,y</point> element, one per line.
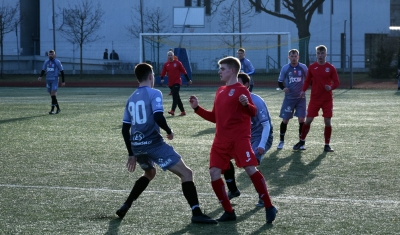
<point>296,107</point>
<point>162,154</point>
<point>52,85</point>
<point>256,142</point>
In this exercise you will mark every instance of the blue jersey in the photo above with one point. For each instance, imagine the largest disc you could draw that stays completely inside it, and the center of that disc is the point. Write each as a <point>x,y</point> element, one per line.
<point>247,67</point>
<point>139,112</point>
<point>261,117</point>
<point>293,78</point>
<point>52,68</point>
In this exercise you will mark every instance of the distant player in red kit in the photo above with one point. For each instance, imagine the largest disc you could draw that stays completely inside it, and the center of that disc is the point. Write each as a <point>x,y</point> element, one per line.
<point>232,112</point>
<point>174,68</point>
<point>324,78</point>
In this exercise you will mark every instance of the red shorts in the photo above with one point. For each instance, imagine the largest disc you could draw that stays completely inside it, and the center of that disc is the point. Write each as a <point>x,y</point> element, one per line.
<point>315,105</point>
<point>241,151</point>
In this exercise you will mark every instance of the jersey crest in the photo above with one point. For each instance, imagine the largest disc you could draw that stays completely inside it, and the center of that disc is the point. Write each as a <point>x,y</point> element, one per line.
<point>231,92</point>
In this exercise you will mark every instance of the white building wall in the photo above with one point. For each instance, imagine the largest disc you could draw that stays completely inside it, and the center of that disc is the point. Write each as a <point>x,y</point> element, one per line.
<point>372,16</point>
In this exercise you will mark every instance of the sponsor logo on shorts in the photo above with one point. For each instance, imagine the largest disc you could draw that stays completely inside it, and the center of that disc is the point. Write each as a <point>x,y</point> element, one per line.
<point>163,164</point>
<point>248,156</point>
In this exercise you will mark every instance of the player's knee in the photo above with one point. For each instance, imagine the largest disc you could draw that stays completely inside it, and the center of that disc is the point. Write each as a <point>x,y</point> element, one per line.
<point>186,175</point>
<point>150,174</point>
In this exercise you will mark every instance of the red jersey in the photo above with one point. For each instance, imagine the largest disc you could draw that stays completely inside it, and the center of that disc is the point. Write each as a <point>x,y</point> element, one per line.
<point>232,119</point>
<point>173,70</point>
<point>319,76</point>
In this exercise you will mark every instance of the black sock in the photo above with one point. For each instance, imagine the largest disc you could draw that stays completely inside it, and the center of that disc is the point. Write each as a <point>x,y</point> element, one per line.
<point>138,188</point>
<point>190,193</point>
<point>56,102</point>
<point>283,131</point>
<point>229,176</point>
<point>53,102</point>
<point>300,128</point>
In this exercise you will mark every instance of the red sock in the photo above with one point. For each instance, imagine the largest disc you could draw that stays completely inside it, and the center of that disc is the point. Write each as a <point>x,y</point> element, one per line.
<point>261,187</point>
<point>327,134</point>
<point>304,131</point>
<point>219,190</point>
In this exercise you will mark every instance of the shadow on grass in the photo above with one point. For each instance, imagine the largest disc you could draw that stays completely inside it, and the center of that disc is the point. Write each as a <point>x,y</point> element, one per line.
<point>222,227</point>
<point>113,226</point>
<point>205,132</point>
<point>297,173</point>
<point>21,118</point>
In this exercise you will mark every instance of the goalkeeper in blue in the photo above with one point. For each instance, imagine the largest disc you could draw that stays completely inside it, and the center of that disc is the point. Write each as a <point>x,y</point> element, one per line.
<point>142,120</point>
<point>261,137</point>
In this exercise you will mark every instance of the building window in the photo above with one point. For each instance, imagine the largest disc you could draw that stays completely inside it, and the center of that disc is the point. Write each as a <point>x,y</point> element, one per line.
<point>278,6</point>
<point>188,3</point>
<point>321,9</point>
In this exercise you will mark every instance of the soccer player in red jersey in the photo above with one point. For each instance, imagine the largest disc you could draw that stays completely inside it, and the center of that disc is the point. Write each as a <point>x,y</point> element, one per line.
<point>174,68</point>
<point>324,78</point>
<point>232,112</point>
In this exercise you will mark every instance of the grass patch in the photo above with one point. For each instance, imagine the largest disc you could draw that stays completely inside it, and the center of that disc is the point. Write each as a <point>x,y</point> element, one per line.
<point>65,173</point>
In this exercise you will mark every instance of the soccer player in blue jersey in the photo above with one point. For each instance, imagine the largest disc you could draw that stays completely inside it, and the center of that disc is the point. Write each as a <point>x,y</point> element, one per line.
<point>261,137</point>
<point>52,67</point>
<point>291,80</point>
<point>143,117</point>
<point>246,66</point>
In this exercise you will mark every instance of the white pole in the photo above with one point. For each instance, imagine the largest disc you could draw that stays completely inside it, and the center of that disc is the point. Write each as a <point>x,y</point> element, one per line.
<point>351,44</point>
<point>330,40</point>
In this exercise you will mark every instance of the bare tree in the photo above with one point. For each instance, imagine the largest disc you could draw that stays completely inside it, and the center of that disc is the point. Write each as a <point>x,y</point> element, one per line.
<point>153,22</point>
<point>301,14</point>
<point>231,23</point>
<point>9,20</point>
<point>80,24</point>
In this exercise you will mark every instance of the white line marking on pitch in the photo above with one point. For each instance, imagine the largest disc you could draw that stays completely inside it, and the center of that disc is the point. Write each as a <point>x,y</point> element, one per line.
<point>345,200</point>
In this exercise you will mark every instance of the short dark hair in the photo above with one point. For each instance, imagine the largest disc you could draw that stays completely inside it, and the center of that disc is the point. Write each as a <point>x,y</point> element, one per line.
<point>52,51</point>
<point>245,78</point>
<point>242,50</point>
<point>321,48</point>
<point>231,62</point>
<point>292,51</point>
<point>142,71</point>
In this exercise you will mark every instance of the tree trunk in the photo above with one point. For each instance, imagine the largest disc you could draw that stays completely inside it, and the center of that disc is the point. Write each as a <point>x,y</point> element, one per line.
<point>2,59</point>
<point>80,61</point>
<point>304,37</point>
